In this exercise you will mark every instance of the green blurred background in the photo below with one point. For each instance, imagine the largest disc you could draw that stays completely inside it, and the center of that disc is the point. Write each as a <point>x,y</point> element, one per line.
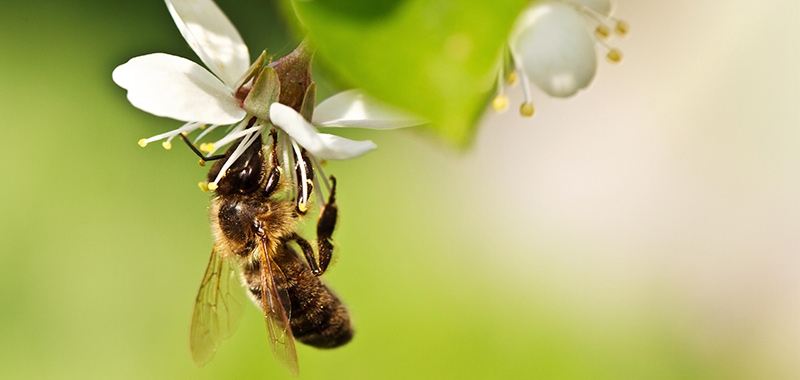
<point>647,229</point>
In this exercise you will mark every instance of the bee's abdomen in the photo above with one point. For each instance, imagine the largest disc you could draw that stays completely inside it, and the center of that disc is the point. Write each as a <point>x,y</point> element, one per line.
<point>318,318</point>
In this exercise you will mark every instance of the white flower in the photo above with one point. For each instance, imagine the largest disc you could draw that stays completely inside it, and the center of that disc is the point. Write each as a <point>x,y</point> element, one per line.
<point>174,87</point>
<point>551,45</point>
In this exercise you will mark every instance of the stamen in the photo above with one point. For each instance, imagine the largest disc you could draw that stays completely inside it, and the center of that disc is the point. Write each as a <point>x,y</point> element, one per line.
<point>288,162</point>
<point>186,128</point>
<point>621,27</point>
<point>500,101</point>
<point>167,144</point>
<point>512,77</point>
<point>527,106</point>
<point>321,173</point>
<point>212,186</point>
<point>254,133</point>
<point>614,55</point>
<point>207,147</point>
<point>302,181</point>
<point>205,132</point>
<point>235,134</point>
<point>602,31</point>
<point>320,200</point>
<point>526,109</point>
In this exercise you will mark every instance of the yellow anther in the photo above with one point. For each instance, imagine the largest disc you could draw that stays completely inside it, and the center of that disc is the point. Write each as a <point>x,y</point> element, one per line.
<point>512,77</point>
<point>202,126</point>
<point>201,162</point>
<point>143,143</point>
<point>621,28</point>
<point>602,31</point>
<point>203,186</point>
<point>526,109</point>
<point>500,103</point>
<point>167,145</point>
<point>207,147</point>
<point>614,55</point>
<point>302,207</point>
<point>212,186</point>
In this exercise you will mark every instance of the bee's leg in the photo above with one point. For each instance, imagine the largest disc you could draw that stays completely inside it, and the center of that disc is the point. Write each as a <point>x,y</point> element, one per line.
<point>308,252</point>
<point>325,226</point>
<point>274,176</point>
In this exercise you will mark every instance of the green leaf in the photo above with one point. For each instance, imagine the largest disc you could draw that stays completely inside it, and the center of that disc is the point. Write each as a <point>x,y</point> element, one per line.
<point>436,58</point>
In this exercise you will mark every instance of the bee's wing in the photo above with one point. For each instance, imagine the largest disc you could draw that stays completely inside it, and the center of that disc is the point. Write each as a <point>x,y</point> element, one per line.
<point>217,309</point>
<point>276,309</point>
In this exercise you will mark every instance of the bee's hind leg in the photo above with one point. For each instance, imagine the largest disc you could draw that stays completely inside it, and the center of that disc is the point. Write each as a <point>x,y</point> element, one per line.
<point>325,225</point>
<point>308,252</point>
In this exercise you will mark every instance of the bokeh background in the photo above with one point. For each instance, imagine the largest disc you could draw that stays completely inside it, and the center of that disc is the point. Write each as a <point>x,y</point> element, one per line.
<point>646,229</point>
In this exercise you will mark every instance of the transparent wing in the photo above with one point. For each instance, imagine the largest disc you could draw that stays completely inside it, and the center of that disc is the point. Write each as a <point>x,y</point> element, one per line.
<point>217,309</point>
<point>276,309</point>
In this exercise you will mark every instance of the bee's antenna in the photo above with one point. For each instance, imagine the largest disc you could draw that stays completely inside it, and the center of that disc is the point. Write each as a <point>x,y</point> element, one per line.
<point>197,152</point>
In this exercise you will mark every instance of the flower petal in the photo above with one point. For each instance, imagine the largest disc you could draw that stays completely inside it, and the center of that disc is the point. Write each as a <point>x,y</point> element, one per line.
<point>213,37</point>
<point>602,7</point>
<point>555,48</point>
<point>324,146</point>
<point>354,108</point>
<point>170,86</point>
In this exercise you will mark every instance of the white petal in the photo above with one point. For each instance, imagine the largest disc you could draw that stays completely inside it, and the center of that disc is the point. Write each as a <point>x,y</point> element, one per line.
<point>602,7</point>
<point>324,146</point>
<point>213,37</point>
<point>555,48</point>
<point>354,108</point>
<point>170,86</point>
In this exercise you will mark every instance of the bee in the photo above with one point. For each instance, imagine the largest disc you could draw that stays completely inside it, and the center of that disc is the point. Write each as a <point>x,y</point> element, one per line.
<point>254,229</point>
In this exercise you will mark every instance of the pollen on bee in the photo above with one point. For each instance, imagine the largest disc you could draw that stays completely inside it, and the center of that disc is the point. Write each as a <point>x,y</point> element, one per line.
<point>167,145</point>
<point>526,109</point>
<point>203,186</point>
<point>500,103</point>
<point>143,143</point>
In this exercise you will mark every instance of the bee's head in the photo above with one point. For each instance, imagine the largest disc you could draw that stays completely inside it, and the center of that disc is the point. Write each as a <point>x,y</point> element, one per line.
<point>245,175</point>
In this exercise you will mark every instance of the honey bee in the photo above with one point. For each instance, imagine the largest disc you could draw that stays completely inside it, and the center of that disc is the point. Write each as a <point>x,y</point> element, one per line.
<point>254,229</point>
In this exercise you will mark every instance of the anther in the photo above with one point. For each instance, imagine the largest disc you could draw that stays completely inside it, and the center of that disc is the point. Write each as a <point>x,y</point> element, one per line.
<point>621,28</point>
<point>500,103</point>
<point>207,147</point>
<point>526,109</point>
<point>614,55</point>
<point>167,145</point>
<point>201,162</point>
<point>512,77</point>
<point>143,143</point>
<point>212,186</point>
<point>602,31</point>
